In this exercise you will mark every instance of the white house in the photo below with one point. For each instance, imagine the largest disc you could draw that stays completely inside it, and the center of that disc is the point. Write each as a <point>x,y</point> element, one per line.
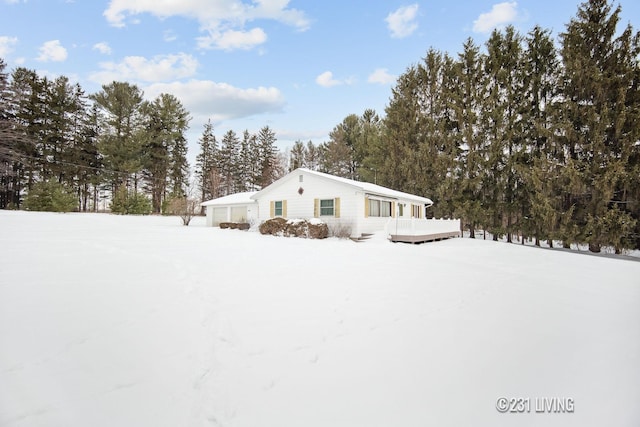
<point>361,206</point>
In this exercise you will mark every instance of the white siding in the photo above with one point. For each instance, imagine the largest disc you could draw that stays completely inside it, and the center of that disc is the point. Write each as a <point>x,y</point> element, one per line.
<point>302,205</point>
<point>234,213</point>
<point>352,202</point>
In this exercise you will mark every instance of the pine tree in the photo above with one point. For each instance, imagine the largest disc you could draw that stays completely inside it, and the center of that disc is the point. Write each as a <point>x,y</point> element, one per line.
<point>401,130</point>
<point>270,167</point>
<point>370,145</point>
<point>164,147</point>
<point>345,140</point>
<point>228,161</point>
<point>27,106</point>
<point>600,110</point>
<point>206,163</point>
<point>88,159</point>
<point>312,156</point>
<point>541,168</point>
<point>120,108</point>
<point>245,162</point>
<point>8,137</point>
<point>297,156</point>
<point>467,98</point>
<point>503,109</point>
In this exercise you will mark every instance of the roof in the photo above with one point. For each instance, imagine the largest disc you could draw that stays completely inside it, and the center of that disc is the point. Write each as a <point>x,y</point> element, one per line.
<point>365,187</point>
<point>232,199</point>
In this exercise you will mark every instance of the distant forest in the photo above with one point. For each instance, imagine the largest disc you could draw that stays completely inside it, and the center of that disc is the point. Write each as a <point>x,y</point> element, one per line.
<point>528,136</point>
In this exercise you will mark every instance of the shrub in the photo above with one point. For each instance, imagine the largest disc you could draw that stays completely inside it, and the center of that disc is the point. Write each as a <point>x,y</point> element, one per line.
<point>50,196</point>
<point>235,225</point>
<point>318,231</point>
<point>340,230</point>
<point>273,226</point>
<point>294,228</point>
<point>130,203</point>
<point>183,207</point>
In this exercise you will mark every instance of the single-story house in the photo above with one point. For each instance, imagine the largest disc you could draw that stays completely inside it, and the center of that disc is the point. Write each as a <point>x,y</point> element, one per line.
<point>303,193</point>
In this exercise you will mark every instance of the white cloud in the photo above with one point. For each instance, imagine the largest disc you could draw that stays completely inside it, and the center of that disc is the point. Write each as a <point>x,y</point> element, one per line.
<point>6,44</point>
<point>52,51</point>
<point>169,36</point>
<point>381,76</point>
<point>501,14</point>
<point>326,79</point>
<point>402,22</point>
<point>222,20</point>
<point>103,48</point>
<point>232,39</point>
<point>206,99</point>
<point>157,69</point>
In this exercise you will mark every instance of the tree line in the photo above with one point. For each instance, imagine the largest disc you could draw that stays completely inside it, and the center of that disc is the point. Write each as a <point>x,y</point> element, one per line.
<point>529,137</point>
<point>56,139</point>
<point>237,164</point>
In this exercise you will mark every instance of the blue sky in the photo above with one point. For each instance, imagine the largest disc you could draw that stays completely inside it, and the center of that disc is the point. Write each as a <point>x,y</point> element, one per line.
<point>298,66</point>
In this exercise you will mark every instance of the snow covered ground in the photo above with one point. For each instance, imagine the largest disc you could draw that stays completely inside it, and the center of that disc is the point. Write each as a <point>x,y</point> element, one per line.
<point>138,321</point>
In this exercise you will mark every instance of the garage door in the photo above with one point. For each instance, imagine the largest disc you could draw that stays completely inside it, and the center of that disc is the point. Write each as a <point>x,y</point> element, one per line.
<point>219,215</point>
<point>239,214</point>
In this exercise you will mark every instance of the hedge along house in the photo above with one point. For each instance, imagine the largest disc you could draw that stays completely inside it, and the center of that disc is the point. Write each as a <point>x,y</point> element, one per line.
<point>340,202</point>
<point>239,207</point>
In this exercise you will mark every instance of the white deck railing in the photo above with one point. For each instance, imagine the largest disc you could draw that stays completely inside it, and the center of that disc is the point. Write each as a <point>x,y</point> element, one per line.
<point>421,227</point>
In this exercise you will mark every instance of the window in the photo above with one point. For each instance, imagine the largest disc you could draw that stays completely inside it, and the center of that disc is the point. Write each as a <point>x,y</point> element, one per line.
<point>277,210</point>
<point>416,211</point>
<point>326,207</point>
<point>379,208</point>
<point>374,207</point>
<point>385,209</point>
<point>400,209</point>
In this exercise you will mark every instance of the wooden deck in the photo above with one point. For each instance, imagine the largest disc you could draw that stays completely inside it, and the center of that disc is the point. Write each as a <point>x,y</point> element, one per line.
<point>422,238</point>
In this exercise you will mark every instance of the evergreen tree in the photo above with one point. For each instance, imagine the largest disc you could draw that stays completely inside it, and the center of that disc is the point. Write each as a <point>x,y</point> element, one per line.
<point>120,107</point>
<point>206,164</point>
<point>312,156</point>
<point>164,148</point>
<point>270,166</point>
<point>297,156</point>
<point>229,162</point>
<point>9,160</point>
<point>371,149</point>
<point>467,98</point>
<point>51,196</point>
<point>88,159</point>
<point>344,147</point>
<point>503,110</point>
<point>245,166</point>
<point>27,108</point>
<point>599,117</point>
<point>541,169</point>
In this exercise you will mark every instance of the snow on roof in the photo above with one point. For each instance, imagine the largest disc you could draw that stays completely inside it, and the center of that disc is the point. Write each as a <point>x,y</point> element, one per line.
<point>232,199</point>
<point>367,187</point>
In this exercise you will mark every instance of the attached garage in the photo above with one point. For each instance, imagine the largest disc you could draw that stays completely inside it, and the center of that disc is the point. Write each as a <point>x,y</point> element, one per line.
<point>232,208</point>
<point>219,215</point>
<point>238,213</point>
